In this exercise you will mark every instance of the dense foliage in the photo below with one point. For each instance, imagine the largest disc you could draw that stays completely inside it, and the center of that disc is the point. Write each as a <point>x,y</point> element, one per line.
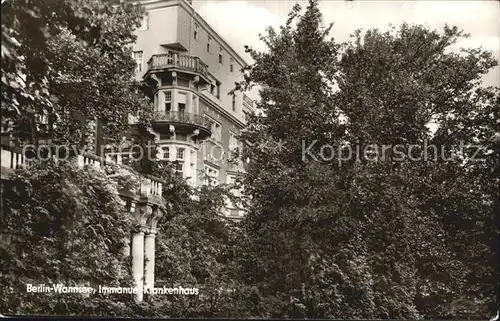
<point>62,62</point>
<point>67,225</point>
<point>371,235</point>
<point>392,85</point>
<point>63,224</point>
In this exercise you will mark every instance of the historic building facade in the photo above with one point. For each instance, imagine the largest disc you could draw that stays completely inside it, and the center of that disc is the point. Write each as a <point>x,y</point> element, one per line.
<point>192,71</point>
<point>196,122</point>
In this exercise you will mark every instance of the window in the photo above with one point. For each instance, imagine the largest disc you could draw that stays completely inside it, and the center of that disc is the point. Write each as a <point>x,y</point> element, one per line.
<point>181,103</point>
<point>215,90</point>
<point>216,129</point>
<point>178,169</point>
<point>137,55</point>
<point>220,55</point>
<point>234,103</point>
<point>232,180</point>
<point>247,100</point>
<point>209,44</point>
<point>166,153</point>
<point>156,101</point>
<point>211,176</point>
<point>112,157</point>
<point>144,22</point>
<point>233,145</point>
<point>231,64</point>
<point>195,33</point>
<point>168,101</point>
<point>235,212</point>
<point>180,153</point>
<point>183,82</point>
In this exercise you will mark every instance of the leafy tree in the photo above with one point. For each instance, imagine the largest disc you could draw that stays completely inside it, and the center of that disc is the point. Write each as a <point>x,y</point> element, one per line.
<point>392,84</point>
<point>303,253</point>
<point>377,236</point>
<point>61,62</point>
<point>64,224</point>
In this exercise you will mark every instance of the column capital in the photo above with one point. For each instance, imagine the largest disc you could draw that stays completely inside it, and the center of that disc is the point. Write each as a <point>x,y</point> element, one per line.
<point>142,213</point>
<point>155,216</point>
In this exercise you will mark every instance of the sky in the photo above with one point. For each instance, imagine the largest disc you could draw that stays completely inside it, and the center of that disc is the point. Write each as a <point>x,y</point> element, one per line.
<point>239,22</point>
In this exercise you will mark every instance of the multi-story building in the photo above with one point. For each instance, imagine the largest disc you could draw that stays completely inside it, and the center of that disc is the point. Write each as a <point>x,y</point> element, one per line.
<point>192,71</point>
<point>196,122</point>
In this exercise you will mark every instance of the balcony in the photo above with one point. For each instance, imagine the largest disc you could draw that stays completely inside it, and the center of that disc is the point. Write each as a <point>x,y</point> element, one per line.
<point>177,61</point>
<point>183,122</point>
<point>12,158</point>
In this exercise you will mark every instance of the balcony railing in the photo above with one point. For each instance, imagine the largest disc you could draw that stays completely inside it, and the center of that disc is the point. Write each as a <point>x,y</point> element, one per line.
<point>172,59</point>
<point>13,160</point>
<point>182,117</point>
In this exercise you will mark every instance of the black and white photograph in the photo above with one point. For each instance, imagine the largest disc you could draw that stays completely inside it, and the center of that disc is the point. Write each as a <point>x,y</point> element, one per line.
<point>250,159</point>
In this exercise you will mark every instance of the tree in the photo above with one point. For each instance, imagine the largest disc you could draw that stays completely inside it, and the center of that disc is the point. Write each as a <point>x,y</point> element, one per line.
<point>336,233</point>
<point>303,252</point>
<point>64,224</point>
<point>50,83</point>
<point>391,85</point>
<point>66,63</point>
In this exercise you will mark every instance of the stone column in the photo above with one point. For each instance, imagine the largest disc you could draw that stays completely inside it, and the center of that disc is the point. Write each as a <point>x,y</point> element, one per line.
<point>149,258</point>
<point>141,215</point>
<point>149,247</point>
<point>130,209</point>
<point>138,262</point>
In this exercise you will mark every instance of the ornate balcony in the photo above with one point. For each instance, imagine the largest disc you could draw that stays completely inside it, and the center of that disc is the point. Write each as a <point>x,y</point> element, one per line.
<point>12,158</point>
<point>182,122</point>
<point>177,61</point>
